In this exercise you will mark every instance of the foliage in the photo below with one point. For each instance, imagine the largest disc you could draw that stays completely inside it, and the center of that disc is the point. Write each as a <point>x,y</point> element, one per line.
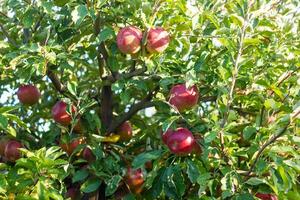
<point>242,55</point>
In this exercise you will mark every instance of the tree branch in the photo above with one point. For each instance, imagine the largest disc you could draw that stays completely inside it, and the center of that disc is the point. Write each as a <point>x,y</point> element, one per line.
<point>145,103</point>
<point>272,140</point>
<point>234,77</point>
<point>10,40</point>
<point>58,85</point>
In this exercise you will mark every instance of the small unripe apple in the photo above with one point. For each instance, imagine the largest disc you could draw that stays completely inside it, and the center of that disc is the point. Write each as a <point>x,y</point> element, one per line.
<point>184,98</point>
<point>158,40</point>
<point>70,147</point>
<point>181,141</point>
<point>88,155</point>
<point>60,114</point>
<point>266,196</point>
<point>72,193</point>
<point>3,142</point>
<point>28,94</point>
<point>129,39</point>
<point>11,151</point>
<point>125,131</point>
<point>135,180</point>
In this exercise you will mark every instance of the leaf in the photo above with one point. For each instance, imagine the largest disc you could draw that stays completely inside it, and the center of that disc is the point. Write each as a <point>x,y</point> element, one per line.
<point>246,196</point>
<point>271,103</point>
<point>79,13</point>
<point>192,171</point>
<point>80,175</point>
<point>72,88</point>
<point>141,159</point>
<point>255,181</point>
<point>210,136</point>
<point>3,122</point>
<point>90,185</point>
<point>112,185</point>
<point>168,123</point>
<point>28,18</point>
<point>105,34</point>
<point>248,132</point>
<point>238,20</point>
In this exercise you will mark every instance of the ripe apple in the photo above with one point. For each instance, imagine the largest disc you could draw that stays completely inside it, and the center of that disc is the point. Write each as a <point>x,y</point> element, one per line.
<point>60,115</point>
<point>184,98</point>
<point>129,39</point>
<point>166,135</point>
<point>197,149</point>
<point>181,141</point>
<point>266,196</point>
<point>88,155</point>
<point>11,151</point>
<point>148,165</point>
<point>28,94</point>
<point>125,131</point>
<point>135,180</point>
<point>72,193</point>
<point>158,40</point>
<point>3,142</point>
<point>70,147</point>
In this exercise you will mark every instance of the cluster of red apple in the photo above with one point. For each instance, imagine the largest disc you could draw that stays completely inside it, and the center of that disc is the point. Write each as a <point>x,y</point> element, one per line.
<point>129,40</point>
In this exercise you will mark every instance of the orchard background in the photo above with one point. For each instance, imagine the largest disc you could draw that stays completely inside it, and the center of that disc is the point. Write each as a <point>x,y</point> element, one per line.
<point>242,57</point>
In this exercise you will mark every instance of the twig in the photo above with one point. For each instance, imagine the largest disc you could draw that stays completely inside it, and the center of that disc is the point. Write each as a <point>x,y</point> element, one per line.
<point>145,103</point>
<point>58,85</point>
<point>11,40</point>
<point>272,140</point>
<point>234,77</point>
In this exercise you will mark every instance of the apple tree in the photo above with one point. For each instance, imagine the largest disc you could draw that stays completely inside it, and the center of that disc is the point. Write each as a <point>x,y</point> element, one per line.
<point>150,99</point>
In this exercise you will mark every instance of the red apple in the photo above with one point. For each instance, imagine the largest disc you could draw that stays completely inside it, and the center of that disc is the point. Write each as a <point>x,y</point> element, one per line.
<point>148,165</point>
<point>28,94</point>
<point>88,155</point>
<point>181,142</point>
<point>129,40</point>
<point>135,180</point>
<point>197,149</point>
<point>70,147</point>
<point>78,128</point>
<point>125,131</point>
<point>183,98</point>
<point>60,115</point>
<point>158,40</point>
<point>3,142</point>
<point>266,196</point>
<point>11,151</point>
<point>72,193</point>
<point>166,135</point>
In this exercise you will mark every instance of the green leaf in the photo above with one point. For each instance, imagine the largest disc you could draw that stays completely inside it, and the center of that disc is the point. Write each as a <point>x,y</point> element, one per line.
<point>168,123</point>
<point>105,34</point>
<point>28,18</point>
<point>192,171</point>
<point>140,160</point>
<point>255,181</point>
<point>72,88</point>
<point>248,132</point>
<point>80,175</point>
<point>271,103</point>
<point>79,13</point>
<point>112,185</point>
<point>90,185</point>
<point>210,136</point>
<point>3,122</point>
